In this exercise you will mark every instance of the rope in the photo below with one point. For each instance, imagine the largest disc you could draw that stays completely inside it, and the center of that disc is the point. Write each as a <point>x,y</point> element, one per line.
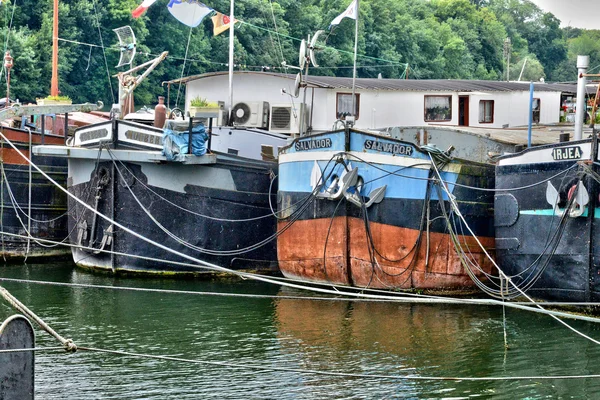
<point>520,187</point>
<point>313,371</point>
<point>17,208</point>
<point>459,214</point>
<point>29,194</point>
<point>342,290</point>
<point>149,54</point>
<point>35,349</point>
<point>67,343</point>
<point>2,199</point>
<point>149,189</point>
<point>400,297</point>
<point>237,251</point>
<point>338,374</point>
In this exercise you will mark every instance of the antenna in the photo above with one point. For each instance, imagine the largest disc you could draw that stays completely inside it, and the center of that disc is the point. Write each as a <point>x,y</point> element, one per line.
<point>297,84</point>
<point>126,44</point>
<point>311,48</point>
<point>302,55</point>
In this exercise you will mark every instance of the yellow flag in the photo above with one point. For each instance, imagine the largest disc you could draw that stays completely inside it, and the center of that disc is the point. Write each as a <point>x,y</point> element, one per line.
<point>221,23</point>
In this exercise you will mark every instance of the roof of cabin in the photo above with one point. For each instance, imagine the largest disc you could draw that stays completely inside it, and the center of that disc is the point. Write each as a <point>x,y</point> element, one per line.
<point>412,85</point>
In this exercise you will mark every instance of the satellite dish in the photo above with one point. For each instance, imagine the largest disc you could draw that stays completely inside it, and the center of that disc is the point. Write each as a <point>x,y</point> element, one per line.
<point>297,85</point>
<point>126,44</point>
<point>302,55</point>
<point>311,48</point>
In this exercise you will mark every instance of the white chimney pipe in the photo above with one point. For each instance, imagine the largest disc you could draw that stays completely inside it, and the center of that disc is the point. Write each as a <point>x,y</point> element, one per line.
<point>583,62</point>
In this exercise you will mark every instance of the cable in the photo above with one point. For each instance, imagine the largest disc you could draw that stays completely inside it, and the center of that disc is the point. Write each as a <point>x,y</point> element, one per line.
<point>112,93</point>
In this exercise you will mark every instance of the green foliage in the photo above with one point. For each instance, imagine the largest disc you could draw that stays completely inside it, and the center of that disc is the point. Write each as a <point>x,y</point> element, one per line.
<point>58,98</point>
<point>426,39</point>
<point>202,102</point>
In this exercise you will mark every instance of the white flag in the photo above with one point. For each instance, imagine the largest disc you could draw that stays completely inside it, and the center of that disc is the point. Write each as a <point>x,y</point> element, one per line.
<point>351,12</point>
<point>189,12</point>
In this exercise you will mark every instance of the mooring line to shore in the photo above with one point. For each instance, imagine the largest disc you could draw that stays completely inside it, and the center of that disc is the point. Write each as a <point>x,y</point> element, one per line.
<point>13,301</point>
<point>33,349</point>
<point>349,296</point>
<point>246,366</point>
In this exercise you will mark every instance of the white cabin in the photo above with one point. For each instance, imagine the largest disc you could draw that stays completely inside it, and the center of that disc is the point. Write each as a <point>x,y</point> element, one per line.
<point>263,100</point>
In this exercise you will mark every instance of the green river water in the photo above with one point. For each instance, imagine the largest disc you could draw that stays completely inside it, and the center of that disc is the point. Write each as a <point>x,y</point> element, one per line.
<point>293,336</point>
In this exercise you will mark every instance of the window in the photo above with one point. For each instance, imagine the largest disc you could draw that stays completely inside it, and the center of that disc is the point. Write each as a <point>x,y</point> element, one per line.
<point>536,110</point>
<point>344,105</point>
<point>438,108</point>
<point>486,111</point>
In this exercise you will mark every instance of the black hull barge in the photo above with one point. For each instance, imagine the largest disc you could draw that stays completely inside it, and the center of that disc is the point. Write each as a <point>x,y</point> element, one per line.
<point>546,213</point>
<point>33,211</point>
<point>546,233</point>
<point>214,207</point>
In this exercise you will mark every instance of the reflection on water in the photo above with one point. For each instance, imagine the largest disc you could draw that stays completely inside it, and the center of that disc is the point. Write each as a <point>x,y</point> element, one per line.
<point>336,336</point>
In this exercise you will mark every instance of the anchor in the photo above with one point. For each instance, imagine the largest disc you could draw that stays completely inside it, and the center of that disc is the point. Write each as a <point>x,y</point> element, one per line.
<point>582,198</point>
<point>345,181</point>
<point>339,187</point>
<point>106,239</point>
<point>82,232</point>
<point>376,196</point>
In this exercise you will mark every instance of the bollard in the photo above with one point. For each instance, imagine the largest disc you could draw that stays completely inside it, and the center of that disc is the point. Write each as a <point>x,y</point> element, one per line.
<point>17,369</point>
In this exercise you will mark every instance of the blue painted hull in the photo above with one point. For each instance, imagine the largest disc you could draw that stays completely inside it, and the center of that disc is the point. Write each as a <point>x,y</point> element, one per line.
<point>401,242</point>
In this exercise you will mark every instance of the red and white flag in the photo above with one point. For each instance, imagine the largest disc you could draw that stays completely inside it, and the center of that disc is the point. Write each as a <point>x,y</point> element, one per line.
<point>142,8</point>
<point>221,23</point>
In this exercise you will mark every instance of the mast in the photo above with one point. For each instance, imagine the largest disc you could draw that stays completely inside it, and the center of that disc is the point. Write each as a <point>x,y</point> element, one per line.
<point>354,67</point>
<point>54,82</point>
<point>231,37</point>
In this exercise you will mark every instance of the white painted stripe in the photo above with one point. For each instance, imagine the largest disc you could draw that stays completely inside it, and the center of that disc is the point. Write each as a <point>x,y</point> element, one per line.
<point>544,155</point>
<point>381,159</point>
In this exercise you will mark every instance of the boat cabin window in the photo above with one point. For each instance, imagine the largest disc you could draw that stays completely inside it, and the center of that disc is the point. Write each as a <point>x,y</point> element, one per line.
<point>344,105</point>
<point>486,111</point>
<point>536,110</point>
<point>438,108</point>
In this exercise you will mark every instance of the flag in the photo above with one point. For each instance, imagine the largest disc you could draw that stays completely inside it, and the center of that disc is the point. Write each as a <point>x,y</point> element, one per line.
<point>221,23</point>
<point>351,12</point>
<point>189,12</point>
<point>142,8</point>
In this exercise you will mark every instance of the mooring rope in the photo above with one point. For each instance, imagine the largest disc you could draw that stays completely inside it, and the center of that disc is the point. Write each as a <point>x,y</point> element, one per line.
<point>67,343</point>
<point>292,219</point>
<point>33,349</point>
<point>453,204</point>
<point>29,191</point>
<point>256,367</point>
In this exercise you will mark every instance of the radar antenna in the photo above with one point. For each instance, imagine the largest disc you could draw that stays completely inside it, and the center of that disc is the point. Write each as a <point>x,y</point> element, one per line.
<point>126,44</point>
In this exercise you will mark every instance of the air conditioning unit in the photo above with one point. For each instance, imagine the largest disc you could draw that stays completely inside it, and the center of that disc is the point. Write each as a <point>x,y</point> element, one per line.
<point>223,114</point>
<point>285,118</point>
<point>255,114</point>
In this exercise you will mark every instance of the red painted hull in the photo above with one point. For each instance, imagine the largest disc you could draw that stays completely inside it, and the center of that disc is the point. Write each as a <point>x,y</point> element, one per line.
<point>337,251</point>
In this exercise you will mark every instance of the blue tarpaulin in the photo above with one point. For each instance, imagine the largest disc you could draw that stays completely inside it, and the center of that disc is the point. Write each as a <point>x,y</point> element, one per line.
<point>175,143</point>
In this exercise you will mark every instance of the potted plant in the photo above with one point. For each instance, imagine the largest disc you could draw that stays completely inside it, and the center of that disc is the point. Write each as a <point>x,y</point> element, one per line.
<point>54,100</point>
<point>199,104</point>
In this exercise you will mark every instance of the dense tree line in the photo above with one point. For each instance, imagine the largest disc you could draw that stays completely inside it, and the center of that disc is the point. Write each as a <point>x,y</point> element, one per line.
<point>415,39</point>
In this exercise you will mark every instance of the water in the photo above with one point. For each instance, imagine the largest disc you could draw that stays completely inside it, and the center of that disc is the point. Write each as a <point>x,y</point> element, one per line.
<point>336,336</point>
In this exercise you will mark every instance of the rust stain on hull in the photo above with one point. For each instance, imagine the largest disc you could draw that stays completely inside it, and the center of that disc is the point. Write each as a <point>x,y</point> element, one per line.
<point>338,251</point>
<point>302,249</point>
<point>10,156</point>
